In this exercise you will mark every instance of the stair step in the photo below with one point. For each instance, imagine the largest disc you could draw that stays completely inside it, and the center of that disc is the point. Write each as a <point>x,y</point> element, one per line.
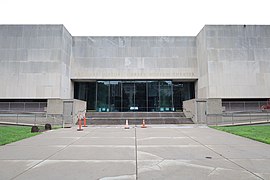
<point>137,121</point>
<point>135,114</point>
<point>135,118</point>
<point>139,118</point>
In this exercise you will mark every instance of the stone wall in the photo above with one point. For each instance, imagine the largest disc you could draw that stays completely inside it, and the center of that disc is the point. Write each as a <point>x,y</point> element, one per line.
<point>34,61</point>
<point>66,109</point>
<point>134,58</point>
<point>202,110</point>
<point>224,61</point>
<point>237,60</point>
<point>202,85</point>
<point>189,109</point>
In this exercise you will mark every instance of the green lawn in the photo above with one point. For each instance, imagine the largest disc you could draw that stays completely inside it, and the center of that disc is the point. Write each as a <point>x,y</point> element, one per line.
<point>258,133</point>
<point>10,134</point>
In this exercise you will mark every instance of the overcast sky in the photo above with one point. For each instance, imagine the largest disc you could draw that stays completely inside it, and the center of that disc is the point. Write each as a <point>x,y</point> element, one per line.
<point>134,17</point>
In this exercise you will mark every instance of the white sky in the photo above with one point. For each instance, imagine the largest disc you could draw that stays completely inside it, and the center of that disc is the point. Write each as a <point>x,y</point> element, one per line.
<point>134,17</point>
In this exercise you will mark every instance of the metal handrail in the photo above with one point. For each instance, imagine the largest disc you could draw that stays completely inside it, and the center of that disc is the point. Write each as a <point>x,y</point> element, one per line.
<point>30,118</point>
<point>23,106</point>
<point>239,117</point>
<point>243,105</point>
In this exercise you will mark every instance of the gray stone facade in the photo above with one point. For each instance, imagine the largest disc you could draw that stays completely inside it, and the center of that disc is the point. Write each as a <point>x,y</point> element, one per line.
<point>224,61</point>
<point>234,61</point>
<point>134,58</point>
<point>34,61</point>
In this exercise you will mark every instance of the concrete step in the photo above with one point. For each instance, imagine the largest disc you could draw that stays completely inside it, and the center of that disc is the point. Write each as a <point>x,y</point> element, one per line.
<point>138,121</point>
<point>135,114</point>
<point>119,118</point>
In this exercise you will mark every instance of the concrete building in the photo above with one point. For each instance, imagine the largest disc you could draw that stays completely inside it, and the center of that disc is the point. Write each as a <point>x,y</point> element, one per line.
<point>119,74</point>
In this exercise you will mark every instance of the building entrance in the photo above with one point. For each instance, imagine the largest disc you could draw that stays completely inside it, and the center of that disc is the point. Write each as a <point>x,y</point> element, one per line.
<point>141,96</point>
<point>134,96</point>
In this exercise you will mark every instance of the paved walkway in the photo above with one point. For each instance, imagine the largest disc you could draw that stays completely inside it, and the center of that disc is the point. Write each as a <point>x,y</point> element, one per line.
<point>157,152</point>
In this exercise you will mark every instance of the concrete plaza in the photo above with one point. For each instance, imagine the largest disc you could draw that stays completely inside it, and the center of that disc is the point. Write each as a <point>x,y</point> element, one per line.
<point>156,152</point>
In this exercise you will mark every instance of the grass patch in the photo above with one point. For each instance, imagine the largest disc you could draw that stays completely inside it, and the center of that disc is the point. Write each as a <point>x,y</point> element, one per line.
<point>10,134</point>
<point>258,133</point>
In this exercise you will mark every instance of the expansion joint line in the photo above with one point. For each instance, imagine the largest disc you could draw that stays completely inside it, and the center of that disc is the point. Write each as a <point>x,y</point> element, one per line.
<point>50,156</point>
<point>224,157</point>
<point>136,151</point>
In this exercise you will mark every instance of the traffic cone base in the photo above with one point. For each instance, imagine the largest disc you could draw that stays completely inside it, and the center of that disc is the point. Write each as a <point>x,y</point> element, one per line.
<point>80,125</point>
<point>84,122</point>
<point>126,126</point>
<point>143,124</point>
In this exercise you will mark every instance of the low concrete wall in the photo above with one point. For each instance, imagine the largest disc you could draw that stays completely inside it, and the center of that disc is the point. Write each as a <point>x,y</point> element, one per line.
<point>31,119</point>
<point>79,109</point>
<point>189,109</point>
<point>55,106</point>
<point>198,109</point>
<point>59,112</point>
<point>68,109</point>
<point>238,118</point>
<point>214,107</point>
<point>210,112</point>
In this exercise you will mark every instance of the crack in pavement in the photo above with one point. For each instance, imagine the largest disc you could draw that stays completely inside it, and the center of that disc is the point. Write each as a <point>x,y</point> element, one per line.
<point>36,165</point>
<point>223,156</point>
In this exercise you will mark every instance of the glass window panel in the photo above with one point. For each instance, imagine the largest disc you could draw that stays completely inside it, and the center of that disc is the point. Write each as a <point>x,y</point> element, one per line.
<point>124,96</point>
<point>177,95</point>
<point>128,96</point>
<point>103,96</point>
<point>153,96</point>
<point>86,91</point>
<point>166,96</point>
<point>91,96</point>
<point>182,91</point>
<point>140,96</point>
<point>115,96</point>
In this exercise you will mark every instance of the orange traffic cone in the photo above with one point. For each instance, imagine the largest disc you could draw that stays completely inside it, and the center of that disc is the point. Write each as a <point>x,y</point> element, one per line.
<point>80,124</point>
<point>126,126</point>
<point>84,122</point>
<point>143,124</point>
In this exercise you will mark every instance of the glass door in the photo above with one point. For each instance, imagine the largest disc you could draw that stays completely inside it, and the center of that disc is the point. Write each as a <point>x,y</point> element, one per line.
<point>134,96</point>
<point>128,96</point>
<point>165,96</point>
<point>153,96</point>
<point>115,96</point>
<point>140,96</point>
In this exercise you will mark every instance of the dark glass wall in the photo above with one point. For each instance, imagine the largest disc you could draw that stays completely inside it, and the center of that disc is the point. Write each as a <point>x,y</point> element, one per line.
<point>153,96</point>
<point>140,95</point>
<point>86,91</point>
<point>123,96</point>
<point>128,96</point>
<point>182,92</point>
<point>103,95</point>
<point>115,96</point>
<point>165,96</point>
